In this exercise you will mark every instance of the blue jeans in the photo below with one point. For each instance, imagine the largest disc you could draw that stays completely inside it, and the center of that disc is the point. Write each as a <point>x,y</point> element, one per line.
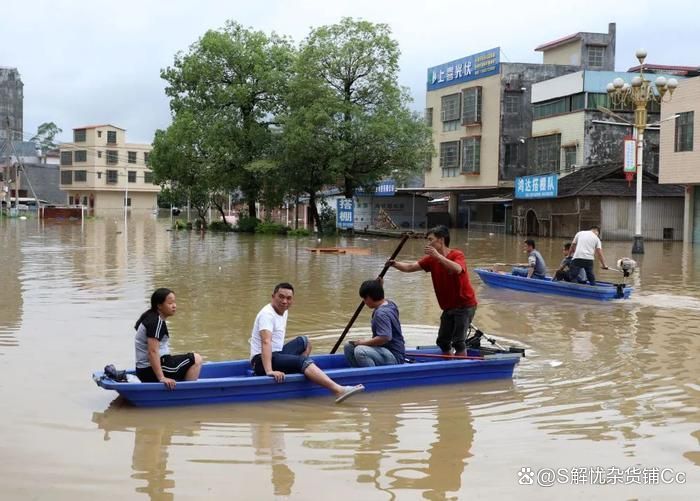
<point>368,356</point>
<point>290,360</point>
<point>519,271</point>
<point>577,265</point>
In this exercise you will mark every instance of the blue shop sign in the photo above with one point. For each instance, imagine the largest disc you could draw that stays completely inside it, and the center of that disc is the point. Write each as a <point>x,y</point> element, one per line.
<point>545,186</point>
<point>344,214</point>
<point>386,188</point>
<point>468,68</point>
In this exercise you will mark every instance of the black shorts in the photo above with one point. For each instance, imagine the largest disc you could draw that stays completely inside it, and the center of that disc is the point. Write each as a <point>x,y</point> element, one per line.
<point>173,366</point>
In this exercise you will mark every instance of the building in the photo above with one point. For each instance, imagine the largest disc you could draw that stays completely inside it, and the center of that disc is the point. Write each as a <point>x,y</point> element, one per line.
<point>680,151</point>
<point>100,170</point>
<point>481,115</point>
<point>28,176</point>
<point>11,104</point>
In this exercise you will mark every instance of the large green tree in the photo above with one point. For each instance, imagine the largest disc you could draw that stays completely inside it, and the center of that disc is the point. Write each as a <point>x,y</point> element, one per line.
<point>370,132</point>
<point>45,138</point>
<point>233,82</point>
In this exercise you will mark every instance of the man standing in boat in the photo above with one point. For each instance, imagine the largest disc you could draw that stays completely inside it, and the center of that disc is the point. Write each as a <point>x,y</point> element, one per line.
<point>270,356</point>
<point>584,247</point>
<point>448,270</point>
<point>386,346</point>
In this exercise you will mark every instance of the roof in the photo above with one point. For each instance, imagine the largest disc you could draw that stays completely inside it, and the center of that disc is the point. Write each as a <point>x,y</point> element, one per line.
<point>96,126</point>
<point>558,41</point>
<point>490,200</point>
<point>666,68</point>
<point>609,180</point>
<point>21,149</point>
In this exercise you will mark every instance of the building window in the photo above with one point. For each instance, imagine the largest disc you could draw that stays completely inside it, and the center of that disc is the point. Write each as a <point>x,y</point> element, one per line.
<point>66,177</point>
<point>450,108</point>
<point>547,153</point>
<point>653,164</point>
<point>99,175</point>
<point>512,154</point>
<point>111,137</point>
<point>148,177</point>
<point>112,157</point>
<point>131,157</point>
<point>146,157</point>
<point>429,117</point>
<point>80,176</point>
<point>79,136</point>
<point>511,103</point>
<point>99,154</point>
<point>132,176</point>
<point>80,156</point>
<point>471,155</point>
<point>684,131</point>
<point>112,177</point>
<point>70,200</point>
<point>471,111</point>
<point>449,158</point>
<point>66,158</point>
<point>450,126</point>
<point>99,133</point>
<point>569,157</point>
<point>595,56</point>
<point>128,202</point>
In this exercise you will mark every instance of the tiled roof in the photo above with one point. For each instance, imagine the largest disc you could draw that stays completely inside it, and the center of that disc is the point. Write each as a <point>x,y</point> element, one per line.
<point>609,180</point>
<point>558,41</point>
<point>96,126</point>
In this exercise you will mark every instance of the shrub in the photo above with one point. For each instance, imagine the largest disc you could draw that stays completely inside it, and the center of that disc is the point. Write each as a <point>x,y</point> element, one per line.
<point>181,224</point>
<point>300,232</point>
<point>247,224</point>
<point>270,228</point>
<point>220,226</point>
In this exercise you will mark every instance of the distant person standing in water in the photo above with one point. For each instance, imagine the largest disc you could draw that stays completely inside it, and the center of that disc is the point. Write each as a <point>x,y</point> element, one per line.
<point>448,270</point>
<point>154,363</point>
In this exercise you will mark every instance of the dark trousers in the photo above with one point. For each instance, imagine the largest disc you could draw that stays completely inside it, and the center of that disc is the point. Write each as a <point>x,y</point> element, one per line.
<point>577,265</point>
<point>453,328</point>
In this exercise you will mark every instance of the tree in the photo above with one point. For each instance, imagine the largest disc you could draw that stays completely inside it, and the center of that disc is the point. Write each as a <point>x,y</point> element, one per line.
<point>45,138</point>
<point>233,82</point>
<point>352,67</point>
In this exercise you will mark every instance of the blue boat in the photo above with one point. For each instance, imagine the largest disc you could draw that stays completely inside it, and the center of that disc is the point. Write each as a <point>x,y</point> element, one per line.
<point>603,291</point>
<point>233,381</point>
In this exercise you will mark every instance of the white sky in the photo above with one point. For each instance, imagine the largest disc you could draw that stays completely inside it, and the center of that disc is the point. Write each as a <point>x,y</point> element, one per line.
<point>89,62</point>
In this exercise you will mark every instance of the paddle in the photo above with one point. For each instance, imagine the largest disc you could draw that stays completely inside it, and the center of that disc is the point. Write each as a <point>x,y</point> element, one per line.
<point>362,303</point>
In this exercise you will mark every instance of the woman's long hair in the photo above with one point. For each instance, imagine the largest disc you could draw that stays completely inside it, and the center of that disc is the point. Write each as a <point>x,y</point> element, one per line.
<point>157,298</point>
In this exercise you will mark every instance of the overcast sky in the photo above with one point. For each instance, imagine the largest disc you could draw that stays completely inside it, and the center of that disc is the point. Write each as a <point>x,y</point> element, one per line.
<point>94,62</point>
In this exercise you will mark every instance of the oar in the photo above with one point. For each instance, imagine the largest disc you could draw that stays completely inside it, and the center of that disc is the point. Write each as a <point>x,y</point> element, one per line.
<point>362,303</point>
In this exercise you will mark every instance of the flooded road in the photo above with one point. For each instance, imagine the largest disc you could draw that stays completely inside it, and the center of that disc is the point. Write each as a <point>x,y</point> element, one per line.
<point>608,399</point>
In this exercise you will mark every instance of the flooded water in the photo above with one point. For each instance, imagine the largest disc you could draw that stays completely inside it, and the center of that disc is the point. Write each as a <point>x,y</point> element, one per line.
<point>606,405</point>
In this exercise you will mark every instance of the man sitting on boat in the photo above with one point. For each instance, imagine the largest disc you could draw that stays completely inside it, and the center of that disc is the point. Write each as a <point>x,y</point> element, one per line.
<point>563,272</point>
<point>386,346</point>
<point>270,356</point>
<point>584,247</point>
<point>535,267</point>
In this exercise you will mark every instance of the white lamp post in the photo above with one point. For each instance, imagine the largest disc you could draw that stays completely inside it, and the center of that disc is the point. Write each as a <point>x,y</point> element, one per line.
<point>640,93</point>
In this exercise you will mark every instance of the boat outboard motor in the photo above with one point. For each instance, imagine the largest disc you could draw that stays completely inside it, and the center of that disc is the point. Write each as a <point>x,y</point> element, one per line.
<point>626,266</point>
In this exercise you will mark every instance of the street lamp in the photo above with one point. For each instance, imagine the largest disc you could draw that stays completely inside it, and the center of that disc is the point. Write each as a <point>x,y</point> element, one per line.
<point>639,93</point>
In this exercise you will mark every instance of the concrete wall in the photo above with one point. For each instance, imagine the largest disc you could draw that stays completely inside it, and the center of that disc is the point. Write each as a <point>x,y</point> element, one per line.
<point>569,54</point>
<point>681,167</point>
<point>572,130</point>
<point>44,179</point>
<point>11,103</point>
<point>618,216</point>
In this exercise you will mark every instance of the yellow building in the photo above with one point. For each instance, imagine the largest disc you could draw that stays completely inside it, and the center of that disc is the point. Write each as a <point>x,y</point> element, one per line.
<point>103,172</point>
<point>679,151</point>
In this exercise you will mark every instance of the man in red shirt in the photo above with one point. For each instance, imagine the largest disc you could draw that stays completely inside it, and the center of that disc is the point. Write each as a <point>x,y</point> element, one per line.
<point>454,292</point>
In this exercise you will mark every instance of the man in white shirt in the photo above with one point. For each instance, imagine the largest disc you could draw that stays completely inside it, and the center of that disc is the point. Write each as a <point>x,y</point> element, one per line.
<point>584,247</point>
<point>270,356</point>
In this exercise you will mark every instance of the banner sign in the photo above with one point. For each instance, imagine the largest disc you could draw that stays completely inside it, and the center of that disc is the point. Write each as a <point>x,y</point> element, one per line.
<point>545,186</point>
<point>386,188</point>
<point>462,70</point>
<point>344,215</point>
<point>630,148</point>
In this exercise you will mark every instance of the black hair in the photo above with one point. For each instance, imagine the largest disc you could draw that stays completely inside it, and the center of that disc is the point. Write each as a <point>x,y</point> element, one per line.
<point>530,242</point>
<point>283,285</point>
<point>595,227</point>
<point>157,298</point>
<point>372,289</point>
<point>440,231</point>
<point>567,246</point>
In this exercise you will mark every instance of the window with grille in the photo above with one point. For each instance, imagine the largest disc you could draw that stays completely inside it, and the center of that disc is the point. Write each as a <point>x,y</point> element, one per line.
<point>471,111</point>
<point>471,155</point>
<point>511,103</point>
<point>131,157</point>
<point>684,131</point>
<point>450,126</point>
<point>512,154</point>
<point>569,157</point>
<point>146,157</point>
<point>596,54</point>
<point>449,158</point>
<point>112,177</point>
<point>112,137</point>
<point>450,107</point>
<point>112,156</point>
<point>79,135</point>
<point>66,158</point>
<point>429,117</point>
<point>66,177</point>
<point>132,176</point>
<point>547,153</point>
<point>80,156</point>
<point>148,177</point>
<point>80,176</point>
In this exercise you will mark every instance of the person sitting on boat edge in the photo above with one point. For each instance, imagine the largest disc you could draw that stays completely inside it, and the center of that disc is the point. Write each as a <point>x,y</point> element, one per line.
<point>535,267</point>
<point>154,363</point>
<point>270,356</point>
<point>563,272</point>
<point>448,271</point>
<point>386,346</point>
<point>584,247</point>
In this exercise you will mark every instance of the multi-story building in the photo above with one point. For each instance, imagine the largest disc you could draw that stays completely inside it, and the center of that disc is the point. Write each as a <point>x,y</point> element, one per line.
<point>100,170</point>
<point>480,112</point>
<point>11,104</point>
<point>680,151</point>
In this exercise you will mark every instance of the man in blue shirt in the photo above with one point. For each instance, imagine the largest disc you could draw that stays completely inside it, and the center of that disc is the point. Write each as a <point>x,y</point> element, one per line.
<point>386,346</point>
<point>536,267</point>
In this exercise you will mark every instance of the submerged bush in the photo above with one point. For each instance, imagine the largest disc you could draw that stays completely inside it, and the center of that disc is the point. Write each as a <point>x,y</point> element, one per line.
<point>270,228</point>
<point>247,224</point>
<point>299,232</point>
<point>220,226</point>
